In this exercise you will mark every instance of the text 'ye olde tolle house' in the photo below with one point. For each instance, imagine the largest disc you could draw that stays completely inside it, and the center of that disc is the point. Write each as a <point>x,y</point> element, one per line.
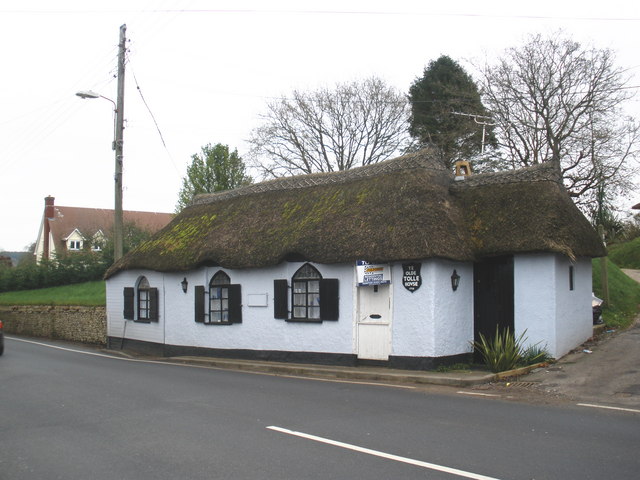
<point>399,262</point>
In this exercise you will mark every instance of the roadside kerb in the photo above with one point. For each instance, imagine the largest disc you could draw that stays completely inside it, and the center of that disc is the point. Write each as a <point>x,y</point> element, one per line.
<point>371,374</point>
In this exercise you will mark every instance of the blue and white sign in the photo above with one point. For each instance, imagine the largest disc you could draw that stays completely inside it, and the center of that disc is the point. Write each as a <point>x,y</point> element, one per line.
<point>372,274</point>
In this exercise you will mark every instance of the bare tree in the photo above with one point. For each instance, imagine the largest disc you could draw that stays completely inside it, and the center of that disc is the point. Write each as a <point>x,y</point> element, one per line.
<point>355,124</point>
<point>555,101</point>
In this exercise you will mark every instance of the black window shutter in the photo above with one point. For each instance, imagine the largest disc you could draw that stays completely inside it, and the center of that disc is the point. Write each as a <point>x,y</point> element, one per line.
<point>329,296</point>
<point>153,304</point>
<point>280,299</point>
<point>235,304</point>
<point>199,303</point>
<point>128,303</point>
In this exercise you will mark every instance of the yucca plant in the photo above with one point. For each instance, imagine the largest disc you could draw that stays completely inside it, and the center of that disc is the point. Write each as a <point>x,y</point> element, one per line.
<point>501,352</point>
<point>534,354</point>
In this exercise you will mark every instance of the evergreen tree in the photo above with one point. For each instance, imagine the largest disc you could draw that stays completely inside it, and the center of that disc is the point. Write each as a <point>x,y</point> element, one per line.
<point>443,89</point>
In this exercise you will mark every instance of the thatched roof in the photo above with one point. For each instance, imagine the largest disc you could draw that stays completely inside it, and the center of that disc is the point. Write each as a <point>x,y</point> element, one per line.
<point>409,208</point>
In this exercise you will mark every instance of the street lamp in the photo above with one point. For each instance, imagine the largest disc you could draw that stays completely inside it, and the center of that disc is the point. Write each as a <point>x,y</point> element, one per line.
<point>117,143</point>
<point>117,147</point>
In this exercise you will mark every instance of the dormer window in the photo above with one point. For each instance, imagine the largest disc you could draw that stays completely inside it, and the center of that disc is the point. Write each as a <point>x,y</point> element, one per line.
<point>97,242</point>
<point>75,245</point>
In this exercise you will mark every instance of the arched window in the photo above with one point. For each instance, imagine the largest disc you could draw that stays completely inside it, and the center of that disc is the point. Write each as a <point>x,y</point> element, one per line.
<point>313,298</point>
<point>306,293</point>
<point>219,298</point>
<point>144,301</point>
<point>141,302</point>
<point>220,304</point>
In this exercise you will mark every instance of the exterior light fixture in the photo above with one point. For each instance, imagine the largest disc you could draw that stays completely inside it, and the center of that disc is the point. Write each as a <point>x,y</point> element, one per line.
<point>455,280</point>
<point>88,94</point>
<point>184,284</point>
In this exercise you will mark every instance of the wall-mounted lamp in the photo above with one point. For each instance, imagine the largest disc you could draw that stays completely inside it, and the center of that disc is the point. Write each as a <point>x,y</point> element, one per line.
<point>184,284</point>
<point>455,280</point>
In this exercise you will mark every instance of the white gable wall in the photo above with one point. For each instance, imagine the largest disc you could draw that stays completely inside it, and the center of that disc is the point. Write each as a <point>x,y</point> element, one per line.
<point>553,316</point>
<point>148,332</point>
<point>39,247</point>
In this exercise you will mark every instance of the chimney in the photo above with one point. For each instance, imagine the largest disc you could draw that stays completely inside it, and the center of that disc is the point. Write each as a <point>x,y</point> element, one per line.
<point>48,206</point>
<point>48,215</point>
<point>463,169</point>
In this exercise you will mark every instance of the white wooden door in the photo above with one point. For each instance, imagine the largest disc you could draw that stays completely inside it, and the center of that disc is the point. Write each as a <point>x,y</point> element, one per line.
<point>373,329</point>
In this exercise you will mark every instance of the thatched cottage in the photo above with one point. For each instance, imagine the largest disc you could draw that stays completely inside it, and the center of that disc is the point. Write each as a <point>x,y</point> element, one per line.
<point>399,262</point>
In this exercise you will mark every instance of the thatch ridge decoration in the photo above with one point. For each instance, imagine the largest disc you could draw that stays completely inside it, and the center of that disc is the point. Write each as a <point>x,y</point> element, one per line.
<point>423,159</point>
<point>541,172</point>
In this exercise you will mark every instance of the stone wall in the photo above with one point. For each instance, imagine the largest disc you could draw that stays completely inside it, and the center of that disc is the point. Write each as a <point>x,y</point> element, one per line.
<point>77,324</point>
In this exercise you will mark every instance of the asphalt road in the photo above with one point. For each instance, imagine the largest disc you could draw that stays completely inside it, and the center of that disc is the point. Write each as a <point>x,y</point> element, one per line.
<point>65,414</point>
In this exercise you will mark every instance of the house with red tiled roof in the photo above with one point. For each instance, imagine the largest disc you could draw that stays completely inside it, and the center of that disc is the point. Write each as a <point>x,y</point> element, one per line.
<point>71,229</point>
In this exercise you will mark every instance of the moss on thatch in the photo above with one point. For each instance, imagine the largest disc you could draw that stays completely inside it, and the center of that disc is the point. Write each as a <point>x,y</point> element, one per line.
<point>409,208</point>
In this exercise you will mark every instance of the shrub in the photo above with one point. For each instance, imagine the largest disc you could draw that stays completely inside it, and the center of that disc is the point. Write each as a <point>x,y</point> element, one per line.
<point>76,268</point>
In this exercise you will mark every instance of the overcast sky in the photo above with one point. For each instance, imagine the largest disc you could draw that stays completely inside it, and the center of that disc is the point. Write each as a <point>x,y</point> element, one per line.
<point>206,70</point>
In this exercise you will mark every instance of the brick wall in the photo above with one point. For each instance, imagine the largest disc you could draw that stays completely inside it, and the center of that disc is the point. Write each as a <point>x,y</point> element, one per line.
<point>78,324</point>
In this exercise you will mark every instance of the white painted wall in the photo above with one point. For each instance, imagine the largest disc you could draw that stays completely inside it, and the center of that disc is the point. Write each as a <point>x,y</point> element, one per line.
<point>574,323</point>
<point>149,332</point>
<point>552,315</point>
<point>433,321</point>
<point>39,247</point>
<point>258,330</point>
<point>534,299</point>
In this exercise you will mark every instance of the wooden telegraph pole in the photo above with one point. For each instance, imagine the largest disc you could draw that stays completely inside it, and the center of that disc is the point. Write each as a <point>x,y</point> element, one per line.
<point>604,273</point>
<point>118,144</point>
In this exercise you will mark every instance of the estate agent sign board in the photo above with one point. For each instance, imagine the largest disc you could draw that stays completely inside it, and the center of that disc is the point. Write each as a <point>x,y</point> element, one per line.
<point>371,274</point>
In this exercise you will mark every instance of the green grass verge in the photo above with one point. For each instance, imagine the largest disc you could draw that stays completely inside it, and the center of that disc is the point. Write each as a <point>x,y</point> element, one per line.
<point>624,295</point>
<point>626,255</point>
<point>83,294</point>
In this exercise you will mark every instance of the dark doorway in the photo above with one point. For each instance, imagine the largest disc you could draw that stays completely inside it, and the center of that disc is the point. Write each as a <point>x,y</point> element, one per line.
<point>493,296</point>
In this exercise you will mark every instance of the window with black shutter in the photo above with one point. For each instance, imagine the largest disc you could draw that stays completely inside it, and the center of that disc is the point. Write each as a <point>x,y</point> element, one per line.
<point>313,298</point>
<point>153,304</point>
<point>280,299</point>
<point>221,303</point>
<point>199,303</point>
<point>129,298</point>
<point>141,302</point>
<point>329,299</point>
<point>235,303</point>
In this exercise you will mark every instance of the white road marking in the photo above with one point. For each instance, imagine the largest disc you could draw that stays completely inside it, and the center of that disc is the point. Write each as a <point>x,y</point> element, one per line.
<point>608,408</point>
<point>397,458</point>
<point>66,349</point>
<point>210,367</point>
<point>478,394</point>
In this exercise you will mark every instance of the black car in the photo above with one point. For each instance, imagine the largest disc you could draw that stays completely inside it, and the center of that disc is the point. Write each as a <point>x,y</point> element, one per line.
<point>1,339</point>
